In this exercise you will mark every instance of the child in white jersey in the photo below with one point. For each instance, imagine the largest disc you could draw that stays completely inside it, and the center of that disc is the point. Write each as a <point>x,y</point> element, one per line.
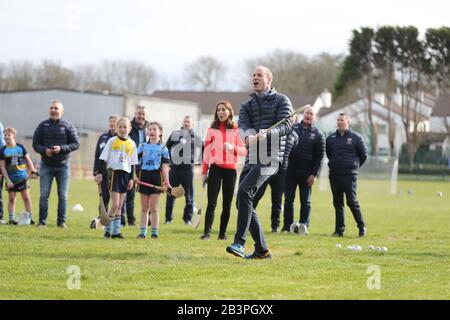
<point>119,158</point>
<point>155,160</point>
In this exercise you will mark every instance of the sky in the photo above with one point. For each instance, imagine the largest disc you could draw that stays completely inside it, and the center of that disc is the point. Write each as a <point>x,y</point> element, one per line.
<point>170,34</point>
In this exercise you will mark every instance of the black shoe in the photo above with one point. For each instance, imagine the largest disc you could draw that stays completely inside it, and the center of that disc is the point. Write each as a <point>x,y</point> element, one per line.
<point>362,232</point>
<point>141,236</point>
<point>32,222</point>
<point>275,230</point>
<point>222,237</point>
<point>117,236</point>
<point>205,237</point>
<point>337,234</point>
<point>107,235</point>
<point>168,222</point>
<point>62,225</point>
<point>260,255</point>
<point>154,236</point>
<point>13,222</point>
<point>188,223</point>
<point>41,225</point>
<point>131,224</point>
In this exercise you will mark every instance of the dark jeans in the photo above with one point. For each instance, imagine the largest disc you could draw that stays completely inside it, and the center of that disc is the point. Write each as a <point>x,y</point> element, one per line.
<point>340,185</point>
<point>218,177</point>
<point>294,179</point>
<point>249,183</point>
<point>184,176</point>
<point>61,175</point>
<point>1,198</point>
<point>276,183</point>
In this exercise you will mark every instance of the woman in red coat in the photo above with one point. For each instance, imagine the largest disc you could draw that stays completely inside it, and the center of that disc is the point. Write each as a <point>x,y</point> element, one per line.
<point>223,145</point>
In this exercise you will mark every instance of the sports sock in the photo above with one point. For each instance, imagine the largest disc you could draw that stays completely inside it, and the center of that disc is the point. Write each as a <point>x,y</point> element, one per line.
<point>143,231</point>
<point>116,225</point>
<point>11,216</point>
<point>155,231</point>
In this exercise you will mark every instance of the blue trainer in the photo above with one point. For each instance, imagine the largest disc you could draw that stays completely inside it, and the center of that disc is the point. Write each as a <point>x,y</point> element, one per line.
<point>237,250</point>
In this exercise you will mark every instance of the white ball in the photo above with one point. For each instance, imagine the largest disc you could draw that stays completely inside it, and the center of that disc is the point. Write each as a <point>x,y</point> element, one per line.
<point>350,248</point>
<point>440,194</point>
<point>338,245</point>
<point>384,249</point>
<point>371,247</point>
<point>358,248</point>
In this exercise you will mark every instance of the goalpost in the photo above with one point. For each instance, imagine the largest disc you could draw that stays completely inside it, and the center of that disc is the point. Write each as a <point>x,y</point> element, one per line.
<point>381,168</point>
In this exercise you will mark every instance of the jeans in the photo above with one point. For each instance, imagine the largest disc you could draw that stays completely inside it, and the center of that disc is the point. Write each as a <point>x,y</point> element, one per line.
<point>250,181</point>
<point>340,185</point>
<point>276,183</point>
<point>292,181</point>
<point>185,177</point>
<point>61,174</point>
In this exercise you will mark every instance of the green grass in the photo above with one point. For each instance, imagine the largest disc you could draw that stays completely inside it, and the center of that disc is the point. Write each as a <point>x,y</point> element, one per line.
<point>415,228</point>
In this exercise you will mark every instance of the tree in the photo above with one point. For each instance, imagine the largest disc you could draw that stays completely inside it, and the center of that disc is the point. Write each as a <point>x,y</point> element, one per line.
<point>384,56</point>
<point>358,70</point>
<point>438,49</point>
<point>413,69</point>
<point>50,74</point>
<point>295,73</point>
<point>205,73</point>
<point>19,75</point>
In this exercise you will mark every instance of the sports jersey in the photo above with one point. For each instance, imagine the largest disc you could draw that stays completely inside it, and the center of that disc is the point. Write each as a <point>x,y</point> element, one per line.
<point>14,158</point>
<point>153,155</point>
<point>120,154</point>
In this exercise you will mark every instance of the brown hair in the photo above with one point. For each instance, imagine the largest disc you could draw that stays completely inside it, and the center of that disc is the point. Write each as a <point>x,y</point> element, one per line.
<point>229,123</point>
<point>156,123</point>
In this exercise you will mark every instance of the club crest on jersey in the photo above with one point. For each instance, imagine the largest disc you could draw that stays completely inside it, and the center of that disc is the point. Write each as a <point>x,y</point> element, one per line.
<point>349,140</point>
<point>312,135</point>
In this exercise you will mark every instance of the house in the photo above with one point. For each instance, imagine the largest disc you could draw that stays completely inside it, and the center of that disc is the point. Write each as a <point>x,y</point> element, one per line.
<point>440,126</point>
<point>359,121</point>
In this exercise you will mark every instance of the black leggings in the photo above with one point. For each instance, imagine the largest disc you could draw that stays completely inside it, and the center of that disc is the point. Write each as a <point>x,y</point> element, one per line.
<point>216,177</point>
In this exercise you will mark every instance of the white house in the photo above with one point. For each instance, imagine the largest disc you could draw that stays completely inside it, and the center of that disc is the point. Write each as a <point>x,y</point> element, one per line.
<point>358,112</point>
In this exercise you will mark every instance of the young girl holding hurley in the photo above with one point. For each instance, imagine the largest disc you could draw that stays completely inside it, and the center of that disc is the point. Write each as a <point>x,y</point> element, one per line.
<point>120,157</point>
<point>155,160</point>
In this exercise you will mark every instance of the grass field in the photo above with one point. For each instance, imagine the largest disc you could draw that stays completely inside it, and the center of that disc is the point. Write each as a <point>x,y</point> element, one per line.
<point>416,229</point>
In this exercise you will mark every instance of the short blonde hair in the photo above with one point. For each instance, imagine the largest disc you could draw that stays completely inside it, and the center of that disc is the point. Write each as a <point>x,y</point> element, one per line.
<point>10,130</point>
<point>123,119</point>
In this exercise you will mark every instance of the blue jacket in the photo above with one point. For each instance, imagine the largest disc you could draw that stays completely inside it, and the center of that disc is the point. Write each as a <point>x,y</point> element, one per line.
<point>59,133</point>
<point>305,149</point>
<point>346,153</point>
<point>261,113</point>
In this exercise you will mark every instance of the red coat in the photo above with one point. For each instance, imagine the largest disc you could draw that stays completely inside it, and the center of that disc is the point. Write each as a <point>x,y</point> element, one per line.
<point>215,151</point>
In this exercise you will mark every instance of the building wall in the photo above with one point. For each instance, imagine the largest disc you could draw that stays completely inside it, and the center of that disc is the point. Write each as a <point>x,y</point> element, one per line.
<point>25,110</point>
<point>437,124</point>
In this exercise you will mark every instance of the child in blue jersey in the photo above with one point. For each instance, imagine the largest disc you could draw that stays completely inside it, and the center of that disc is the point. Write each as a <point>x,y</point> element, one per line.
<point>14,165</point>
<point>118,160</point>
<point>155,160</point>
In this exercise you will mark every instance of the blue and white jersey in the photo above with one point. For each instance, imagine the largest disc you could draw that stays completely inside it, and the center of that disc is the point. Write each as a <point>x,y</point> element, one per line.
<point>153,156</point>
<point>14,158</point>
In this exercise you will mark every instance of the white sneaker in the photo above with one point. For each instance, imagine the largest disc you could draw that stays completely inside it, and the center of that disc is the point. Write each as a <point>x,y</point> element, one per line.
<point>302,229</point>
<point>3,222</point>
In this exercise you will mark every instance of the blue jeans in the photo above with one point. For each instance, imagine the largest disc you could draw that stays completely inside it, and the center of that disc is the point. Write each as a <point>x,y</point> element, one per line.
<point>61,174</point>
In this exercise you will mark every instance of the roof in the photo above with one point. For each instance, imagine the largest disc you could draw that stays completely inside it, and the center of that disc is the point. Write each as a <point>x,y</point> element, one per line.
<point>442,107</point>
<point>207,100</point>
<point>62,89</point>
<point>395,108</point>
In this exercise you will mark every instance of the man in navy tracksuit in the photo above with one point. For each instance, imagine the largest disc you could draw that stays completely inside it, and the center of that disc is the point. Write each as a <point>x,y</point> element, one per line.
<point>347,152</point>
<point>54,139</point>
<point>101,143</point>
<point>306,148</point>
<point>266,150</point>
<point>185,149</point>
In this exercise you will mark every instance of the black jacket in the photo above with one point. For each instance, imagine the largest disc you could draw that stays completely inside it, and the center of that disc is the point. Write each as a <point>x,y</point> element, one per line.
<point>305,149</point>
<point>261,113</point>
<point>346,153</point>
<point>177,145</point>
<point>60,133</point>
<point>134,133</point>
<point>101,143</point>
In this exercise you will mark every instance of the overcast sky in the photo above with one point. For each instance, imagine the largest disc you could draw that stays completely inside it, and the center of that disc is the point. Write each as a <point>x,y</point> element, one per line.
<point>169,34</point>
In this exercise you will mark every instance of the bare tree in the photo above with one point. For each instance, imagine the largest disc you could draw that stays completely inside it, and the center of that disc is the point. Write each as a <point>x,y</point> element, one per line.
<point>19,75</point>
<point>205,73</point>
<point>51,74</point>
